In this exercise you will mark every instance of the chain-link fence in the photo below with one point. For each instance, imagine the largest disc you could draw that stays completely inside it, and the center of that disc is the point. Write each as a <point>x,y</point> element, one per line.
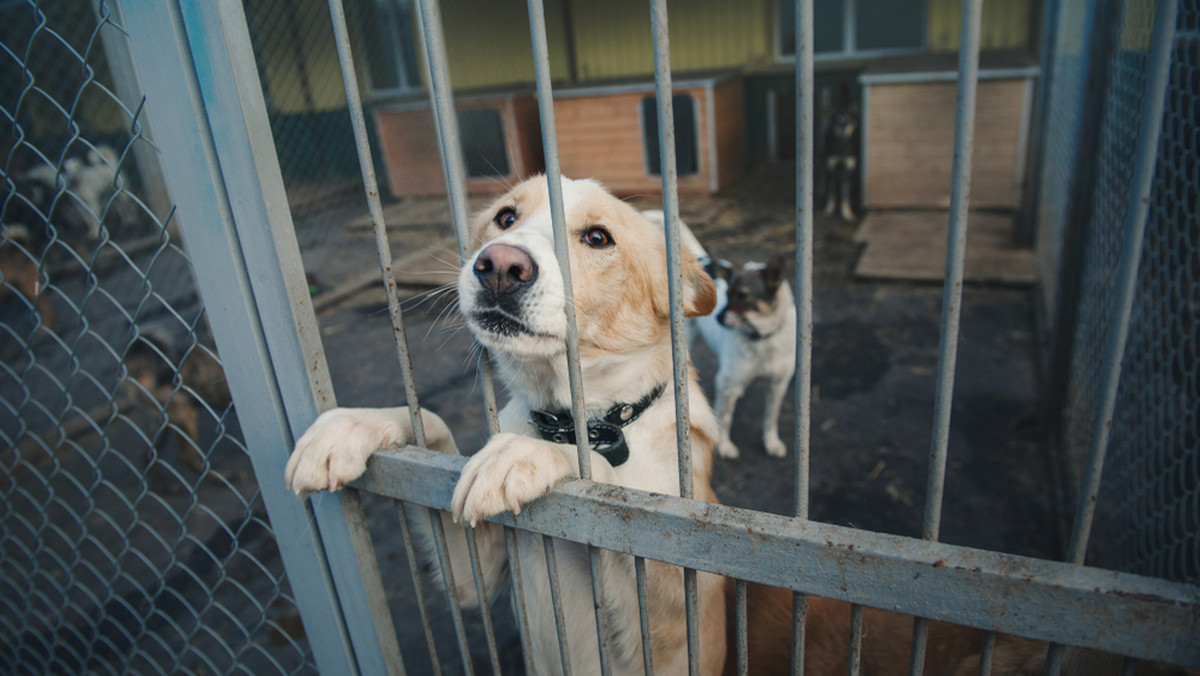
<point>133,537</point>
<point>1150,501</point>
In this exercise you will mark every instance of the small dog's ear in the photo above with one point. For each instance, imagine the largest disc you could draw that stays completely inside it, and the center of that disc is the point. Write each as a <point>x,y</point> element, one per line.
<point>699,292</point>
<point>773,273</point>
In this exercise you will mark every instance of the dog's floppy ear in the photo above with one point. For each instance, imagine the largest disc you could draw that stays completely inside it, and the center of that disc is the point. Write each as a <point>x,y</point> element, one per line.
<point>699,293</point>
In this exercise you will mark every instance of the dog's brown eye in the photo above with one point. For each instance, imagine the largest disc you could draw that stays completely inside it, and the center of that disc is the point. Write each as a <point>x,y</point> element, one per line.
<point>597,237</point>
<point>505,218</point>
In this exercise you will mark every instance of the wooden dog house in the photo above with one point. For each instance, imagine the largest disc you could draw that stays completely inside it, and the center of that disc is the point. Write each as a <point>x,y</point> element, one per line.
<point>610,133</point>
<point>908,130</point>
<point>501,140</point>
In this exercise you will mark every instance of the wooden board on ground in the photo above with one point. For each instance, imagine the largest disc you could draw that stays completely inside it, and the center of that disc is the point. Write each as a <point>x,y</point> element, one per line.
<point>911,245</point>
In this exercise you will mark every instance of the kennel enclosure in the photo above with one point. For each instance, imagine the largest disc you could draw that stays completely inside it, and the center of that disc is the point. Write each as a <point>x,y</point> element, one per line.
<point>153,583</point>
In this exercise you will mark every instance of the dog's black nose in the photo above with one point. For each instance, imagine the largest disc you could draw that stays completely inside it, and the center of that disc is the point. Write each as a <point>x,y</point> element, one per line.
<point>504,269</point>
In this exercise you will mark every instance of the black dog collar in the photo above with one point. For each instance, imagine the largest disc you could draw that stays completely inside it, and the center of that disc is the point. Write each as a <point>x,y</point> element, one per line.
<point>604,432</point>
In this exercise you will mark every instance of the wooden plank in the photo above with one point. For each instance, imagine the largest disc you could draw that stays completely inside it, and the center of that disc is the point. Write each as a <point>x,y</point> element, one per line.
<point>911,245</point>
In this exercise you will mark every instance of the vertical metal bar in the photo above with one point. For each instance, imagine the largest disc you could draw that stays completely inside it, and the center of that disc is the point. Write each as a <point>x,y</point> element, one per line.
<point>986,653</point>
<point>1051,10</point>
<point>739,600</point>
<point>485,611</point>
<point>198,61</point>
<point>666,156</point>
<point>960,193</point>
<point>804,293</point>
<point>799,629</point>
<point>414,568</point>
<point>545,97</point>
<point>518,597</point>
<point>341,36</point>
<point>1054,660</point>
<point>856,638</point>
<point>1158,66</point>
<point>964,143</point>
<point>804,250</point>
<point>443,555</point>
<point>445,120</point>
<point>639,569</point>
<point>560,623</point>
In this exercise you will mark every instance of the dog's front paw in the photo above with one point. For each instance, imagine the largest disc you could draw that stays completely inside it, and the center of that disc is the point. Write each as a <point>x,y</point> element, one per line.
<point>510,471</point>
<point>775,447</point>
<point>334,451</point>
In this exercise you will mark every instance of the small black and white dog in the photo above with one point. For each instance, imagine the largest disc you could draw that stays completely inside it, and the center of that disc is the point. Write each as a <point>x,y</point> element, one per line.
<point>753,333</point>
<point>839,152</point>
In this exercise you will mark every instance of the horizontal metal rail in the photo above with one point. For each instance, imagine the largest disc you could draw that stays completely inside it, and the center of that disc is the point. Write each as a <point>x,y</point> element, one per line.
<point>1115,612</point>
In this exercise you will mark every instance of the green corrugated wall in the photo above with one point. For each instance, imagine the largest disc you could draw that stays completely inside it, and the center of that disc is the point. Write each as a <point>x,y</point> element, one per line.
<point>612,39</point>
<point>1005,24</point>
<point>488,43</point>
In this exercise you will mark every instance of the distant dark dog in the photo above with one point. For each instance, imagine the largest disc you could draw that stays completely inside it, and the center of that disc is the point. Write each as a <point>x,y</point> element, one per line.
<point>20,272</point>
<point>164,378</point>
<point>839,152</point>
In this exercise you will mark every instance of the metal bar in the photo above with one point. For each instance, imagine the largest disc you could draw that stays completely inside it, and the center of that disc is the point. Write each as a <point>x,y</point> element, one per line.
<point>856,639</point>
<point>1158,66</point>
<point>639,568</point>
<point>960,193</point>
<point>960,202</point>
<point>445,119</point>
<point>679,354</point>
<point>1025,72</point>
<point>414,568</point>
<point>799,630</point>
<point>443,556</point>
<point>986,653</point>
<point>1051,10</point>
<point>560,623</point>
<point>545,97</point>
<point>666,158</point>
<point>1012,594</point>
<point>739,601</point>
<point>485,612</point>
<point>804,250</point>
<point>518,597</point>
<point>225,182</point>
<point>341,34</point>
<point>804,292</point>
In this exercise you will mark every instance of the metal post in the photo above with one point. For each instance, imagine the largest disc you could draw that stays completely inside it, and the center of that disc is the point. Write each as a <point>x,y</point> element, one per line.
<point>198,64</point>
<point>960,193</point>
<point>804,293</point>
<point>666,155</point>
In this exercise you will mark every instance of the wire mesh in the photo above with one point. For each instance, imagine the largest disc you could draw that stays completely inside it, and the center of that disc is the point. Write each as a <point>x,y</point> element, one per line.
<point>1151,498</point>
<point>132,533</point>
<point>1149,501</point>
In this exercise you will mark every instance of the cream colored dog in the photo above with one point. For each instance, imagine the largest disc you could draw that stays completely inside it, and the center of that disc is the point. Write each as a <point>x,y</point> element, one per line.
<point>511,296</point>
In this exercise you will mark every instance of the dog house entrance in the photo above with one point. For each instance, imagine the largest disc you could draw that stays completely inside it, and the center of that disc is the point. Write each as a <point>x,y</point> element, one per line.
<point>687,160</point>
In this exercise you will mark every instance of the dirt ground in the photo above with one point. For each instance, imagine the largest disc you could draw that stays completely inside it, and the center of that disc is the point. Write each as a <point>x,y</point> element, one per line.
<point>874,368</point>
